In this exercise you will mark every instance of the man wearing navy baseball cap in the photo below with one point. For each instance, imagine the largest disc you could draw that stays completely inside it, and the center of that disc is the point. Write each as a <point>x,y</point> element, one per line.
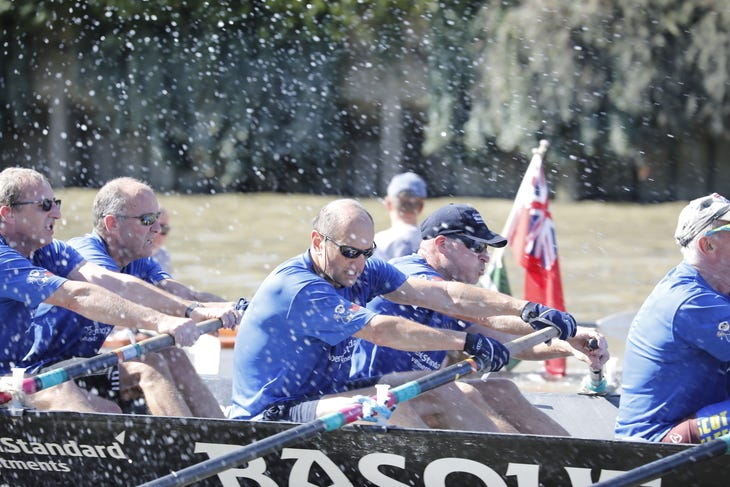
<point>454,244</point>
<point>463,222</point>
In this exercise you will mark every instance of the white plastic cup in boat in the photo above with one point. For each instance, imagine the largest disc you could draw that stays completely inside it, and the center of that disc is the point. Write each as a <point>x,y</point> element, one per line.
<point>205,355</point>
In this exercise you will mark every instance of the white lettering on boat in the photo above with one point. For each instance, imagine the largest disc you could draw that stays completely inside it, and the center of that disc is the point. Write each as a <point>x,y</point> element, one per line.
<point>71,448</point>
<point>434,474</point>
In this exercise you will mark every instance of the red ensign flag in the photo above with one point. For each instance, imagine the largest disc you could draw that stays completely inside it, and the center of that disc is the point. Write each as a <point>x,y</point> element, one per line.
<point>533,243</point>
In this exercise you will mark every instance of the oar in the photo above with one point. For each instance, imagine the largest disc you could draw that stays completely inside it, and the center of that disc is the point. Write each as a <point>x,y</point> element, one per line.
<point>346,415</point>
<point>657,468</point>
<point>102,361</point>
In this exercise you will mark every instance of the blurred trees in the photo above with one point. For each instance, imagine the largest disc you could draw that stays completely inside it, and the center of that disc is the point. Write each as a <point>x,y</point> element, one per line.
<point>635,91</point>
<point>335,97</point>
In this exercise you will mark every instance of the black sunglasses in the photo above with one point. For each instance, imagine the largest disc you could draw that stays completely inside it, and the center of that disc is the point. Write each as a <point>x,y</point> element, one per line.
<point>145,219</point>
<point>351,252</point>
<point>45,204</point>
<point>471,244</point>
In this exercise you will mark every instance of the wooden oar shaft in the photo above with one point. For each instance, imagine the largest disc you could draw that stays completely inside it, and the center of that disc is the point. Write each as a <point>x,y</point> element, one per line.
<point>333,421</point>
<point>653,470</point>
<point>58,376</point>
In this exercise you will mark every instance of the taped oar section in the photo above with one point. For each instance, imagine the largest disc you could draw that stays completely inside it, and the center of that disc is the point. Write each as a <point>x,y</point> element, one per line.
<point>595,383</point>
<point>346,415</point>
<point>656,469</point>
<point>58,376</point>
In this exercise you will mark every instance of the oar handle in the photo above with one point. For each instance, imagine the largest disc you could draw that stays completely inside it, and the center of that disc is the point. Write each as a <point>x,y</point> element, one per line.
<point>526,342</point>
<point>102,361</point>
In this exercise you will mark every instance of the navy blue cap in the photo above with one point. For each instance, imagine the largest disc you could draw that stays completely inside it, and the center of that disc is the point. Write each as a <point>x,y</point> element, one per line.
<point>463,220</point>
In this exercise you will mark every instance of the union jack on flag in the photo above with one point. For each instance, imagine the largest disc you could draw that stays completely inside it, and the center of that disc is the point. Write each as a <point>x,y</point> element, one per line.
<point>532,240</point>
<point>539,241</point>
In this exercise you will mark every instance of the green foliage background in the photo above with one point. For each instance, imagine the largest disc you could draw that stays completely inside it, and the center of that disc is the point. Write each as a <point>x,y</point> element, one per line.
<point>259,95</point>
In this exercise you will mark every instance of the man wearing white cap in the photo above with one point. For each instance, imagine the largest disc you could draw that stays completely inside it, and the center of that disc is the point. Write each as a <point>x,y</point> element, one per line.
<point>675,375</point>
<point>404,202</point>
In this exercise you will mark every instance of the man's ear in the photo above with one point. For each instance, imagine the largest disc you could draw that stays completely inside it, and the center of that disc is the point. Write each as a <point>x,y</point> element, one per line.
<point>5,212</point>
<point>317,241</point>
<point>440,242</point>
<point>110,222</point>
<point>704,244</point>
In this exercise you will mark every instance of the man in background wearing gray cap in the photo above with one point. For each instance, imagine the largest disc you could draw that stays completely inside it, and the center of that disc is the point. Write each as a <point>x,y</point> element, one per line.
<point>675,375</point>
<point>454,248</point>
<point>404,202</point>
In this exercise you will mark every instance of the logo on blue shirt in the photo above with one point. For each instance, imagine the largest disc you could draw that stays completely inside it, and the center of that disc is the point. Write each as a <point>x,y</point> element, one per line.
<point>345,315</point>
<point>38,275</point>
<point>723,331</point>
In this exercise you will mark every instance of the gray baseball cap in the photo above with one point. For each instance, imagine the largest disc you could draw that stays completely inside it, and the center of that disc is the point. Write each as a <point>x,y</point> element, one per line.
<point>410,183</point>
<point>698,214</point>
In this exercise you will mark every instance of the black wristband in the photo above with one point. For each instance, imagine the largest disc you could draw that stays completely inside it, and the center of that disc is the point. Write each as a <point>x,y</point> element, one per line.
<point>190,309</point>
<point>469,340</point>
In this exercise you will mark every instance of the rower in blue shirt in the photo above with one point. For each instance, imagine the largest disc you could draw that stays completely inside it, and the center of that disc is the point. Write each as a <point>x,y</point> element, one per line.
<point>36,269</point>
<point>294,347</point>
<point>126,213</point>
<point>675,380</point>
<point>455,248</point>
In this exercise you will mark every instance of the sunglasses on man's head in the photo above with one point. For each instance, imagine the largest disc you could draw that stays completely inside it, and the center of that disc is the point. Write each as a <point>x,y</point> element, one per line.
<point>45,204</point>
<point>471,244</point>
<point>145,219</point>
<point>351,252</point>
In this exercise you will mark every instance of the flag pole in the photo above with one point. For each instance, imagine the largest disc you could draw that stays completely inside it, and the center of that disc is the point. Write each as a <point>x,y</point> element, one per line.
<point>495,268</point>
<point>538,155</point>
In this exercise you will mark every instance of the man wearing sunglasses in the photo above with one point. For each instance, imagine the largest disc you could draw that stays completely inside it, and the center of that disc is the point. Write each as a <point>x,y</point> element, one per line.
<point>36,269</point>
<point>126,222</point>
<point>675,385</point>
<point>455,248</point>
<point>293,350</point>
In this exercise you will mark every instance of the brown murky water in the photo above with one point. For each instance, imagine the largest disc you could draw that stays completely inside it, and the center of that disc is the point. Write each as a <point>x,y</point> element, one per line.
<point>611,254</point>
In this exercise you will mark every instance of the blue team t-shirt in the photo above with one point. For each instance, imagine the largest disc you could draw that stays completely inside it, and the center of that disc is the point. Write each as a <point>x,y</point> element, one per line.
<point>370,360</point>
<point>677,356</point>
<point>295,339</point>
<point>25,284</point>
<point>59,333</point>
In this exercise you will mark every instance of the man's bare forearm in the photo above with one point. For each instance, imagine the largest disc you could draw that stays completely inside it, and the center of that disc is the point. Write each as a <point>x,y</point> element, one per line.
<point>98,304</point>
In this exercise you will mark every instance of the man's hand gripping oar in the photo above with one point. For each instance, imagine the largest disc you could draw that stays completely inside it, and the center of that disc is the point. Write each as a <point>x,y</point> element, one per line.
<point>346,415</point>
<point>13,389</point>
